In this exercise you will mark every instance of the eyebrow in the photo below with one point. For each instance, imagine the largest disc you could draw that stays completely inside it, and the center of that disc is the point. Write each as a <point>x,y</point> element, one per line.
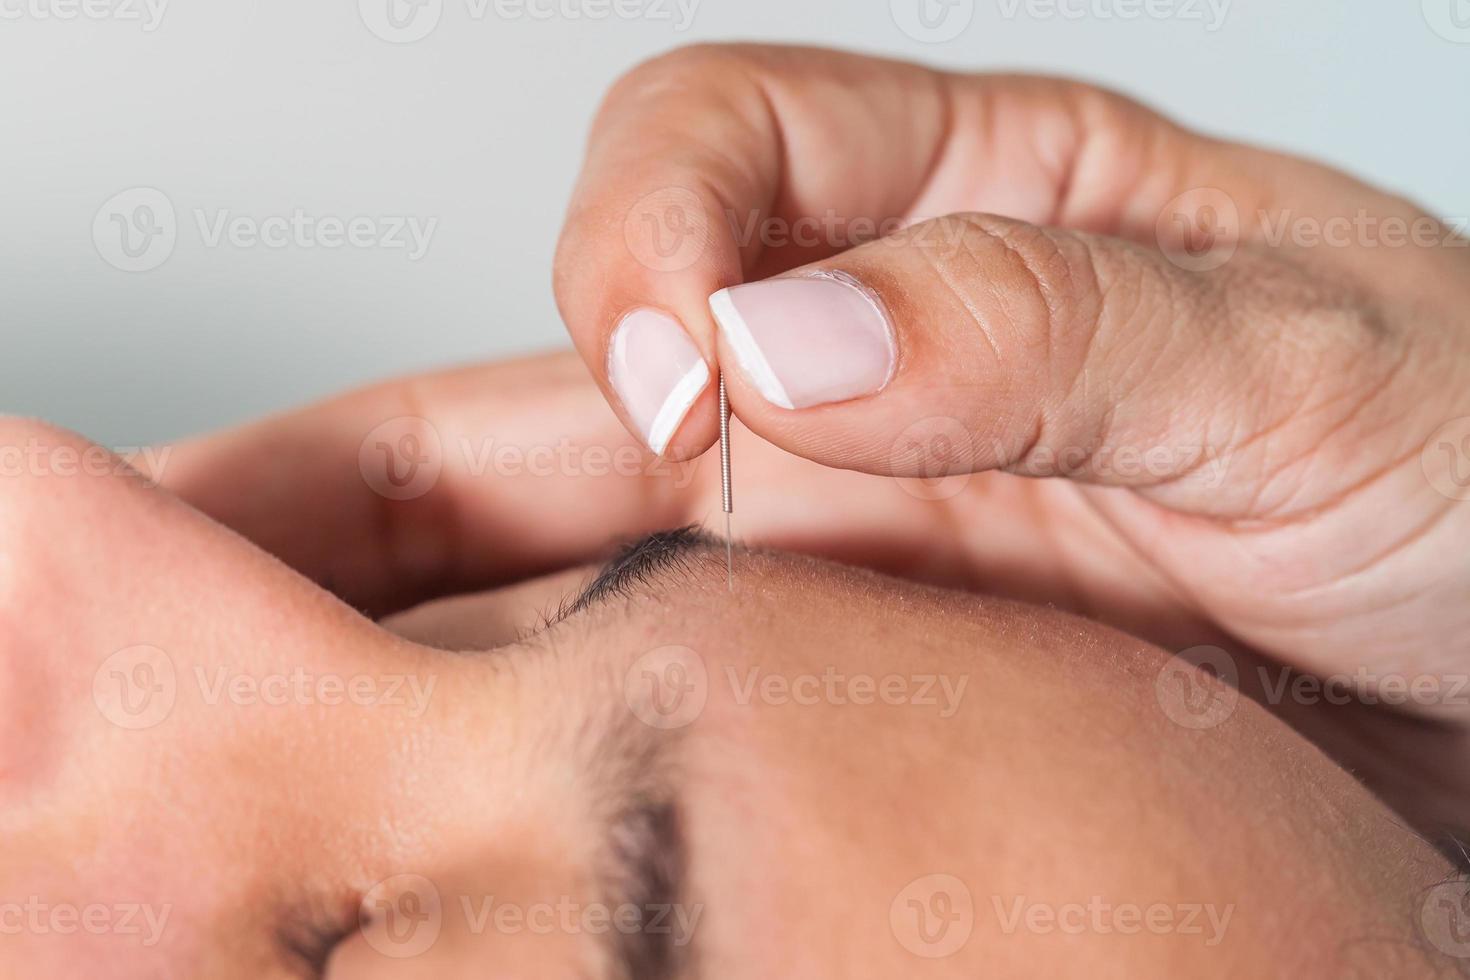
<point>638,563</point>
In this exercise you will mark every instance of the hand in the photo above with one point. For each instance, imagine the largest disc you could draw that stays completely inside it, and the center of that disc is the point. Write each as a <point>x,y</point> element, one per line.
<point>1246,415</point>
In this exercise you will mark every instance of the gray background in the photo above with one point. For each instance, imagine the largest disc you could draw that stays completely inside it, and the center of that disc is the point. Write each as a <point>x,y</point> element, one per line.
<point>264,107</point>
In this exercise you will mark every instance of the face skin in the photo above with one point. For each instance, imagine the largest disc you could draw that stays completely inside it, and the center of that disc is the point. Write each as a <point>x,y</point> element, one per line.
<point>186,788</point>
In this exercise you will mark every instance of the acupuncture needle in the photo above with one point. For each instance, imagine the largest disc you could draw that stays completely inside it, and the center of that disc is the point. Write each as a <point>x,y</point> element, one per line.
<point>725,482</point>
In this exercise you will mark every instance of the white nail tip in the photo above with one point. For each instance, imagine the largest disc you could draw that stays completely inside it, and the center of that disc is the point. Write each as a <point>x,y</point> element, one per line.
<point>676,406</point>
<point>747,351</point>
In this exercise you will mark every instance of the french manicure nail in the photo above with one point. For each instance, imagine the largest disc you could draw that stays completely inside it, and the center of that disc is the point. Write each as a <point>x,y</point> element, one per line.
<point>806,341</point>
<point>657,372</point>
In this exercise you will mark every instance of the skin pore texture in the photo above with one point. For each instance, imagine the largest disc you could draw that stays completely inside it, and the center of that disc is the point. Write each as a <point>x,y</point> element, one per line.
<point>662,744</point>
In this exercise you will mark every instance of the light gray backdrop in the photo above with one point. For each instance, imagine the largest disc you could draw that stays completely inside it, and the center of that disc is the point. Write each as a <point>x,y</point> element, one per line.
<point>259,108</point>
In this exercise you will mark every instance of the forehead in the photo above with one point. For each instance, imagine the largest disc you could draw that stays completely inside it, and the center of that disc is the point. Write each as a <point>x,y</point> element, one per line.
<point>846,742</point>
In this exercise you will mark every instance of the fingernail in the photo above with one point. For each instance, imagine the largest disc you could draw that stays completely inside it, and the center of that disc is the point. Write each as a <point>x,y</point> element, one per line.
<point>807,341</point>
<point>657,372</point>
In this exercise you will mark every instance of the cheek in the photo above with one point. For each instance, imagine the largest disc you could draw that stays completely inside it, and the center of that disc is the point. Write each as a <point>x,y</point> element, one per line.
<point>139,852</point>
<point>48,661</point>
<point>81,913</point>
<point>33,721</point>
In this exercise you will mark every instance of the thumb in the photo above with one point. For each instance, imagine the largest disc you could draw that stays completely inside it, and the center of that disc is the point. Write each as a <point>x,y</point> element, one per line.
<point>974,342</point>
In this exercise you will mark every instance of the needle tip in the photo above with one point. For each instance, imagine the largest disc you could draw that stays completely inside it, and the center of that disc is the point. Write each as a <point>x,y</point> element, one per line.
<point>729,556</point>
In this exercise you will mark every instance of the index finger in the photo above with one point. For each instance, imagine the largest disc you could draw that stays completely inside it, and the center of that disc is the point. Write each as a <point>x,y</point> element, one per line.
<point>692,158</point>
